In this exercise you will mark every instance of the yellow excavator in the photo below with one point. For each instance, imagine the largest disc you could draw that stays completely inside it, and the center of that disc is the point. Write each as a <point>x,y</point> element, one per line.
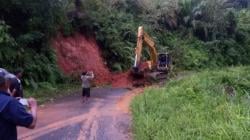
<point>159,64</point>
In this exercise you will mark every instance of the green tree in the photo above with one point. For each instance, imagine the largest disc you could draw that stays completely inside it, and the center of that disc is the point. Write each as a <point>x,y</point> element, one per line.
<point>31,24</point>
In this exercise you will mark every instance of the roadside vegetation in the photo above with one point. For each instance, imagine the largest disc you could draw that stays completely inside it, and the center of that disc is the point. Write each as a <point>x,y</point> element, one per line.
<point>213,104</point>
<point>26,28</point>
<point>206,36</point>
<point>49,93</point>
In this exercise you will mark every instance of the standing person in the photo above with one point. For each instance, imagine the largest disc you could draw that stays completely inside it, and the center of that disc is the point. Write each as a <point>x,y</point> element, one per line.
<point>13,113</point>
<point>16,85</point>
<point>86,84</point>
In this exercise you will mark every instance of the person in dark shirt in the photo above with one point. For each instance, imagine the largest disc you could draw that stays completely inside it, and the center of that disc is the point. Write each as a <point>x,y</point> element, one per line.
<point>16,86</point>
<point>13,113</point>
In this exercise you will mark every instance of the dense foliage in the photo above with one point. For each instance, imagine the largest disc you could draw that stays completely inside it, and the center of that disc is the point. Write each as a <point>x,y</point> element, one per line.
<point>197,33</point>
<point>207,105</point>
<point>26,27</point>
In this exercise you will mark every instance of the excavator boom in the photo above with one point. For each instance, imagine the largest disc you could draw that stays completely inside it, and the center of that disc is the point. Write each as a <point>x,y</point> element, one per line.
<point>158,63</point>
<point>143,37</point>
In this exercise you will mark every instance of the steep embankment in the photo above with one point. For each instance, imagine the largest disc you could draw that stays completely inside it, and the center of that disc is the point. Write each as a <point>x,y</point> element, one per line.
<point>78,53</point>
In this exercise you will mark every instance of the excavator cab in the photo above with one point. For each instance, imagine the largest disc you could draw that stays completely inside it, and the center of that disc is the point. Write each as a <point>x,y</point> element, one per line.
<point>163,63</point>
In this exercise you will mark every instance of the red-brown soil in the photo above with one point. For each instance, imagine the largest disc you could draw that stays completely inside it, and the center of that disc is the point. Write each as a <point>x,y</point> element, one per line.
<point>122,80</point>
<point>78,53</point>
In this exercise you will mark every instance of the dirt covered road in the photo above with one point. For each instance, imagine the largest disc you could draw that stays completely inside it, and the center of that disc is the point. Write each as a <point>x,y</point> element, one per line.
<point>104,117</point>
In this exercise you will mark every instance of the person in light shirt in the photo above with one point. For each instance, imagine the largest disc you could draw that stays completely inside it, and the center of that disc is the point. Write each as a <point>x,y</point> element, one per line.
<point>86,78</point>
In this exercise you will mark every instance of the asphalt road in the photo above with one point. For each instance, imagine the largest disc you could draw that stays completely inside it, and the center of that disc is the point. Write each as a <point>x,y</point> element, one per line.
<point>104,117</point>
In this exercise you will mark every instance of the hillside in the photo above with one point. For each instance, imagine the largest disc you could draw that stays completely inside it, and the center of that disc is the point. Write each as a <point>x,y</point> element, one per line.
<point>77,53</point>
<point>197,33</point>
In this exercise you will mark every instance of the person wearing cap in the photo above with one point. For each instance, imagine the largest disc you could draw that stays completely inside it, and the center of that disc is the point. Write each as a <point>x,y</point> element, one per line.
<point>13,113</point>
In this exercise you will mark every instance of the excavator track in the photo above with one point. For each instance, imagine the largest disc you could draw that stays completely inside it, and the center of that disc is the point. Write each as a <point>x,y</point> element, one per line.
<point>157,75</point>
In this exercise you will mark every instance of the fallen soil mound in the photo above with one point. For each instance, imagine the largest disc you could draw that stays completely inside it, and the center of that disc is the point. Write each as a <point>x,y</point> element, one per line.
<point>78,53</point>
<point>122,80</point>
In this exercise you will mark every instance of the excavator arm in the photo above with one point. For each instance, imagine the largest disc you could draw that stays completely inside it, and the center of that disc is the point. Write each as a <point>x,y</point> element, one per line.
<point>157,67</point>
<point>144,38</point>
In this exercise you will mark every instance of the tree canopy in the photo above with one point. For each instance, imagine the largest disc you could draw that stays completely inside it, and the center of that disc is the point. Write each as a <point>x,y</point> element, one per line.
<point>197,33</point>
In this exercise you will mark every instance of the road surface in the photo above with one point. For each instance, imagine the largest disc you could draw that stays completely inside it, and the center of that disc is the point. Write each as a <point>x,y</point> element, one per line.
<point>104,117</point>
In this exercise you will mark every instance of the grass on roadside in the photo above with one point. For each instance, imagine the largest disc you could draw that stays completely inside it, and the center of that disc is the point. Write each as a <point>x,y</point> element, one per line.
<point>206,105</point>
<point>49,93</point>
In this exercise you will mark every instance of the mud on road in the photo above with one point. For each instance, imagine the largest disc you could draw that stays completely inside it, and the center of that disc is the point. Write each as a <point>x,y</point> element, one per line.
<point>104,117</point>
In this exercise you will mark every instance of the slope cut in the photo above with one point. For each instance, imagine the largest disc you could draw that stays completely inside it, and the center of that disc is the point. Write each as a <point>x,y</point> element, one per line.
<point>78,53</point>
